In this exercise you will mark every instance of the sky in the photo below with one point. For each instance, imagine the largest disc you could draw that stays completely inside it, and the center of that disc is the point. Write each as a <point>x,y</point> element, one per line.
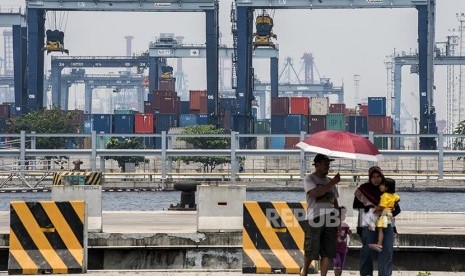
<point>344,43</point>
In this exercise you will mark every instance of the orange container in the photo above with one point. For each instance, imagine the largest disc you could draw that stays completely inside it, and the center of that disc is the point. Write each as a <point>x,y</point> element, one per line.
<point>299,105</point>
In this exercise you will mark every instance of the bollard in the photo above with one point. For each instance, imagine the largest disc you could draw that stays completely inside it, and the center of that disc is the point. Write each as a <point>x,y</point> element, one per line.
<point>187,189</point>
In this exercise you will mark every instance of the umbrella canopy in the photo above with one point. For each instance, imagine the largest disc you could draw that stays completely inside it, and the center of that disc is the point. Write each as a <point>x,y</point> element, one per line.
<point>341,144</point>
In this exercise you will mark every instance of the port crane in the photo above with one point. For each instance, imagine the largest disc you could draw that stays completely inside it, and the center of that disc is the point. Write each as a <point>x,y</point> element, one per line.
<point>242,15</point>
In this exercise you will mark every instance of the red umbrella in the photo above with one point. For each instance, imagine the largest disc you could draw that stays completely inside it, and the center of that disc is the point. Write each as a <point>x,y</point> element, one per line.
<point>341,144</point>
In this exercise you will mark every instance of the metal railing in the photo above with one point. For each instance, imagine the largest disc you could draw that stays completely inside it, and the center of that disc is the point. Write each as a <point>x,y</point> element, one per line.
<point>26,150</point>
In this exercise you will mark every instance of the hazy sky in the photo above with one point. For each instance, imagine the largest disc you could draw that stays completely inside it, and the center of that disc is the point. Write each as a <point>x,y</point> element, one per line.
<point>343,42</point>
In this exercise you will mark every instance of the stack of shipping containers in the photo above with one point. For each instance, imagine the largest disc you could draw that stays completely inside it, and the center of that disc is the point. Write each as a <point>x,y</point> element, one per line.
<point>336,118</point>
<point>279,113</point>
<point>378,122</point>
<point>5,114</point>
<point>319,109</point>
<point>297,120</point>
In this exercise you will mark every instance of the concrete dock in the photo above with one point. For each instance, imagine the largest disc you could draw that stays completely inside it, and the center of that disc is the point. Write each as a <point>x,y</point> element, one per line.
<point>170,244</point>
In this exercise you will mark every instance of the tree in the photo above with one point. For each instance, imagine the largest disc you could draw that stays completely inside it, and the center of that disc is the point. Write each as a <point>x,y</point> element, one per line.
<point>128,143</point>
<point>209,162</point>
<point>459,142</point>
<point>52,120</point>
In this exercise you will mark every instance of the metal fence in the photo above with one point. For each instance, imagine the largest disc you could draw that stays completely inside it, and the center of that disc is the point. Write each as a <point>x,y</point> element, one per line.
<point>24,157</point>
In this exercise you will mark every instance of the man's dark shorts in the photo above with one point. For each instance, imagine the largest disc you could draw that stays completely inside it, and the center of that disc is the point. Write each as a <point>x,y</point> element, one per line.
<point>320,240</point>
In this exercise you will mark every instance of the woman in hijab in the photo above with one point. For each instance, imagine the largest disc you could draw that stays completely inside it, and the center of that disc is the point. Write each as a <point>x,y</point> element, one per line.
<point>367,196</point>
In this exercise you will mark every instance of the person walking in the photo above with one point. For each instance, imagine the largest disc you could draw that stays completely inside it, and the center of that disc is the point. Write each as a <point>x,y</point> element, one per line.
<point>342,243</point>
<point>367,197</point>
<point>322,215</point>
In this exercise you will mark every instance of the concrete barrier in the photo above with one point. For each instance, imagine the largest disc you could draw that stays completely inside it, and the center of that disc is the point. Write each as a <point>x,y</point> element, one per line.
<point>47,237</point>
<point>220,207</point>
<point>92,194</point>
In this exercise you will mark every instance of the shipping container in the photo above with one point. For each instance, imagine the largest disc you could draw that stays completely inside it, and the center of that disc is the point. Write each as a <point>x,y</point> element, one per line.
<point>103,123</point>
<point>337,108</point>
<point>3,125</point>
<point>316,124</point>
<point>379,124</point>
<point>124,123</point>
<point>167,84</point>
<point>363,110</point>
<point>187,120</point>
<point>336,121</point>
<point>202,119</point>
<point>350,112</point>
<point>263,126</point>
<point>143,123</point>
<point>148,107</point>
<point>163,122</point>
<point>358,124</point>
<point>88,126</point>
<point>290,142</point>
<point>88,117</point>
<point>382,143</point>
<point>184,107</point>
<point>5,111</point>
<point>150,97</point>
<point>299,105</point>
<point>279,106</point>
<point>278,124</point>
<point>296,123</point>
<point>12,108</point>
<point>168,105</point>
<point>319,106</point>
<point>278,142</point>
<point>376,106</point>
<point>198,101</point>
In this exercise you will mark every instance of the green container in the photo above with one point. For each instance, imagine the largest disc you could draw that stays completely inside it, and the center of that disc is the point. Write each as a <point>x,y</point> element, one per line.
<point>336,121</point>
<point>381,143</point>
<point>263,126</point>
<point>73,180</point>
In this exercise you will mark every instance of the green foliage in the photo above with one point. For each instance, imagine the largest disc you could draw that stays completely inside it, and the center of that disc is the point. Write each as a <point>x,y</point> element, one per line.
<point>426,273</point>
<point>209,162</point>
<point>459,143</point>
<point>53,120</point>
<point>128,143</point>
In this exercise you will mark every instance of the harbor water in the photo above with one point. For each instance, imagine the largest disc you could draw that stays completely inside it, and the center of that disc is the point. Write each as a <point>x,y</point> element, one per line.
<point>161,200</point>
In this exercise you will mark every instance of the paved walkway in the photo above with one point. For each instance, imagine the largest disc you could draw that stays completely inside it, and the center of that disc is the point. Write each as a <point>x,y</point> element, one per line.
<point>234,273</point>
<point>186,222</point>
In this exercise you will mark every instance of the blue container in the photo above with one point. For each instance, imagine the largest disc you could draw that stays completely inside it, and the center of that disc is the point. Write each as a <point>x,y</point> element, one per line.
<point>278,142</point>
<point>278,124</point>
<point>296,123</point>
<point>2,125</point>
<point>254,113</point>
<point>184,107</point>
<point>103,123</point>
<point>163,122</point>
<point>148,142</point>
<point>202,119</point>
<point>88,126</point>
<point>124,123</point>
<point>228,104</point>
<point>187,120</point>
<point>376,106</point>
<point>358,124</point>
<point>150,97</point>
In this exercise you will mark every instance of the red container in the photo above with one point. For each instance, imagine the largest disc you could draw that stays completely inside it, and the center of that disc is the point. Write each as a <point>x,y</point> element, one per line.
<point>4,111</point>
<point>299,105</point>
<point>168,105</point>
<point>388,129</point>
<point>316,124</point>
<point>198,101</point>
<point>363,110</point>
<point>280,106</point>
<point>148,107</point>
<point>291,142</point>
<point>349,112</point>
<point>143,123</point>
<point>337,108</point>
<point>377,124</point>
<point>168,84</point>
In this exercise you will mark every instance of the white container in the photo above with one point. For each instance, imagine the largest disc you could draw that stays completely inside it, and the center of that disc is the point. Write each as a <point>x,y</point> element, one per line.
<point>319,106</point>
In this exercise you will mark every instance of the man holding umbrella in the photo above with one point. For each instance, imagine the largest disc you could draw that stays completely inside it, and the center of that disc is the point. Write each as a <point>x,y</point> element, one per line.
<point>322,215</point>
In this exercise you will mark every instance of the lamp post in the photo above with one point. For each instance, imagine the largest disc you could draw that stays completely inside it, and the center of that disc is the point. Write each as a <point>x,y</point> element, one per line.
<point>416,132</point>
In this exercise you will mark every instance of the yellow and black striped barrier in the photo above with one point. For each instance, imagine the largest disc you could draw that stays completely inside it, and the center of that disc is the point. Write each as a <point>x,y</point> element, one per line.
<point>273,237</point>
<point>47,237</point>
<point>92,178</point>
